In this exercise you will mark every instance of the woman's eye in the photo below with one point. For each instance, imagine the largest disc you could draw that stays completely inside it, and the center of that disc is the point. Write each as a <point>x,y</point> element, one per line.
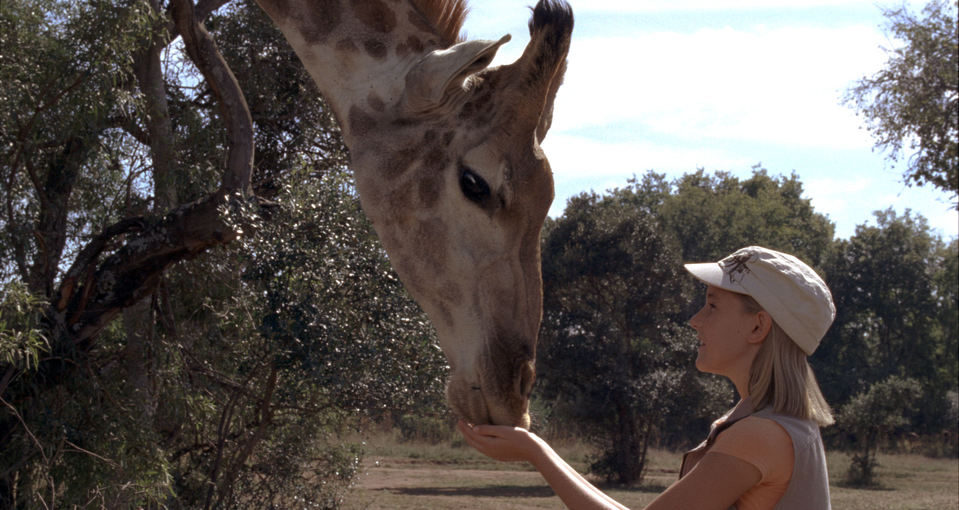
<point>473,186</point>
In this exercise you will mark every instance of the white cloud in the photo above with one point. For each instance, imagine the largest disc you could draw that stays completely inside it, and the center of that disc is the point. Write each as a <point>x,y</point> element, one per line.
<point>851,201</point>
<point>581,163</point>
<point>719,97</point>
<point>572,157</point>
<point>780,85</point>
<point>624,6</point>
<point>838,198</point>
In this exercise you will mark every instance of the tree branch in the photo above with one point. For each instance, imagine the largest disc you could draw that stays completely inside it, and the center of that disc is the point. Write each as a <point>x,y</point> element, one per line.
<point>94,292</point>
<point>206,7</point>
<point>236,114</point>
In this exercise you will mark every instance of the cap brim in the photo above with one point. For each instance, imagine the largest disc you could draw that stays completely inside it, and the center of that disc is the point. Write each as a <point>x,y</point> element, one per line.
<point>709,273</point>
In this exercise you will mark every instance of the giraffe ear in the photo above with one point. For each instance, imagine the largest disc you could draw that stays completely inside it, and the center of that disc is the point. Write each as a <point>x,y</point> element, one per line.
<point>440,73</point>
<point>546,118</point>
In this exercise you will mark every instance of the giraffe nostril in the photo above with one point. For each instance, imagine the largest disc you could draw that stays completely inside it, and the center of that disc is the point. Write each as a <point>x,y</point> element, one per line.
<point>527,376</point>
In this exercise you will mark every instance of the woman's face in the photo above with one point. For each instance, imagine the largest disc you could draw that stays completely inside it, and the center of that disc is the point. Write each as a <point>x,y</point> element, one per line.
<point>723,326</point>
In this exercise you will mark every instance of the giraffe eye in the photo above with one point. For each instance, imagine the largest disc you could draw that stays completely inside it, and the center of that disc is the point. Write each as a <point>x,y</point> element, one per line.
<point>473,186</point>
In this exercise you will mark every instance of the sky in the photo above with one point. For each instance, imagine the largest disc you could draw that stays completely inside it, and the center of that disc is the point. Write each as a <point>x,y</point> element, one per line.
<point>672,86</point>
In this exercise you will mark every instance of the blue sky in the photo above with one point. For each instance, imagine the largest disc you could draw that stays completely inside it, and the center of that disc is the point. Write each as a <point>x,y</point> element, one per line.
<point>673,86</point>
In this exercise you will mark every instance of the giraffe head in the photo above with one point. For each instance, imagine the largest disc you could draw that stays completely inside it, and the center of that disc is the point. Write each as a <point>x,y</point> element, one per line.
<point>450,171</point>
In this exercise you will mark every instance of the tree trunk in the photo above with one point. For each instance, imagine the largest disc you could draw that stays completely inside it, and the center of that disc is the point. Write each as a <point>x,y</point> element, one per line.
<point>629,455</point>
<point>94,292</point>
<point>138,319</point>
<point>51,225</point>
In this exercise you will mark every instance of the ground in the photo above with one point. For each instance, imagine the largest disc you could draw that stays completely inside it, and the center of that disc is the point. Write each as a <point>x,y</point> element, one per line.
<point>453,477</point>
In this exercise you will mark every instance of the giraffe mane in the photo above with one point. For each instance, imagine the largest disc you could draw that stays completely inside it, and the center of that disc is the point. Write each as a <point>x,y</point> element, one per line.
<point>446,16</point>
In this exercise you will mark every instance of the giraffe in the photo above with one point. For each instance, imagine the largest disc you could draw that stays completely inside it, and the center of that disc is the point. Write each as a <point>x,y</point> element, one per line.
<point>446,157</point>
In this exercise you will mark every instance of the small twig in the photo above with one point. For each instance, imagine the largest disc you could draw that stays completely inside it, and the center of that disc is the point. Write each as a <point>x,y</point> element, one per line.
<point>88,452</point>
<point>26,428</point>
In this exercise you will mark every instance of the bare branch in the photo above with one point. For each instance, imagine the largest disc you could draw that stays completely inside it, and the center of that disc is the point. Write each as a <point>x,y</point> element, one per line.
<point>236,114</point>
<point>93,292</point>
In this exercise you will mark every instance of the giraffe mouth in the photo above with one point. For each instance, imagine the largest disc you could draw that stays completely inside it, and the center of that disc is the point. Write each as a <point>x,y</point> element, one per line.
<point>480,403</point>
<point>468,402</point>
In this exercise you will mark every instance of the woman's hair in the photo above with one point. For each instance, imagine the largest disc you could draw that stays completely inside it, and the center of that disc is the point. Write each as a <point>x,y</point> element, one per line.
<point>782,378</point>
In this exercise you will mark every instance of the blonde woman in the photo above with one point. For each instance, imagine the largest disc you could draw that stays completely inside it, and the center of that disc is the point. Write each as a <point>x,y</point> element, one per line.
<point>765,312</point>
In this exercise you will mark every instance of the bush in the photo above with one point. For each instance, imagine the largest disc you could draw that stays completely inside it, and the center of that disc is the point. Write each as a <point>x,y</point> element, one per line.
<point>427,429</point>
<point>869,418</point>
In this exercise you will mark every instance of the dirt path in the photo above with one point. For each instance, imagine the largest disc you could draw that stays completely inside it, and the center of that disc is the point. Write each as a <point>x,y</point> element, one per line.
<point>386,483</point>
<point>910,483</point>
<point>391,483</point>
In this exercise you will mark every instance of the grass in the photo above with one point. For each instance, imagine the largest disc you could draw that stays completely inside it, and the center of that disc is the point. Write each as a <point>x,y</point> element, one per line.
<point>450,475</point>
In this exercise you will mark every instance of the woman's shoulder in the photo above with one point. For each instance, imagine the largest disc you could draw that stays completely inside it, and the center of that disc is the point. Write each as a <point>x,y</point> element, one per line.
<point>759,432</point>
<point>803,431</point>
<point>761,442</point>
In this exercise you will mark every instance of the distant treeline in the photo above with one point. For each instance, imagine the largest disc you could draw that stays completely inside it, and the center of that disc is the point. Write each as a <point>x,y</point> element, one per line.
<point>616,358</point>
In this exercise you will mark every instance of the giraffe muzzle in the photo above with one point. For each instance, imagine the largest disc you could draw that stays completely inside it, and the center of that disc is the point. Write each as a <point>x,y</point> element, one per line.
<point>492,400</point>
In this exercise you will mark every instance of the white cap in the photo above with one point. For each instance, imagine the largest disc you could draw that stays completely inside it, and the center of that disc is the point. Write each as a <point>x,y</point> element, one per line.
<point>788,289</point>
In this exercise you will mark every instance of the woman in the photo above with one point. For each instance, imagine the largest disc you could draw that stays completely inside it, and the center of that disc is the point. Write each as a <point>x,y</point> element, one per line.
<point>765,312</point>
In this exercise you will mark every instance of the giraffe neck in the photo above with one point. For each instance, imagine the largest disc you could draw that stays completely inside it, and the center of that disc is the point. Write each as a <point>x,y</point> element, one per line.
<point>358,52</point>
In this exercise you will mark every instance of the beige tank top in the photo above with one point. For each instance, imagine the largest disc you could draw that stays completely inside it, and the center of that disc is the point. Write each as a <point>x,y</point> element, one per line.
<point>809,486</point>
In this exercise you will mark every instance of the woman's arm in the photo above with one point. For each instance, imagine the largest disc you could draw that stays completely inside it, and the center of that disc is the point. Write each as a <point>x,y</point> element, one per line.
<point>716,482</point>
<point>516,444</point>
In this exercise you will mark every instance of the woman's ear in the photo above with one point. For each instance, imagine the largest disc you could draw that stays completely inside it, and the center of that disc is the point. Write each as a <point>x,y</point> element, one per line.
<point>762,325</point>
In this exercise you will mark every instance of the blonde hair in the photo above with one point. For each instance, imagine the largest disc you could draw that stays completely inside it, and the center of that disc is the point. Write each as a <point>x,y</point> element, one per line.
<point>781,378</point>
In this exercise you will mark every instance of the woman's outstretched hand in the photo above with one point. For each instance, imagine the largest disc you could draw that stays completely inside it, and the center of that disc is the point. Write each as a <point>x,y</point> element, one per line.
<point>514,444</point>
<point>510,444</point>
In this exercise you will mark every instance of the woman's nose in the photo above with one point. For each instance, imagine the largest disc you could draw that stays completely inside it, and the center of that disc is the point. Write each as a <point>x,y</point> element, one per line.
<point>694,320</point>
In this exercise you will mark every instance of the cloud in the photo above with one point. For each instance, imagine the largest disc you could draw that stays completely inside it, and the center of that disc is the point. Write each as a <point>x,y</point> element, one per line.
<point>857,197</point>
<point>573,156</point>
<point>582,163</point>
<point>647,6</point>
<point>780,85</point>
<point>719,92</point>
<point>838,198</point>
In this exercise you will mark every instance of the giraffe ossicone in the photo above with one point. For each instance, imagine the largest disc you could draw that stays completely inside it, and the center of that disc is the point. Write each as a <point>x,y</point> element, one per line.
<point>445,151</point>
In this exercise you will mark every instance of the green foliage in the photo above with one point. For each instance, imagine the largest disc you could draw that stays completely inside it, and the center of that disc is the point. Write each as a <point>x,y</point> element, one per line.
<point>616,304</point>
<point>870,417</point>
<point>60,103</point>
<point>714,215</point>
<point>894,299</point>
<point>945,275</point>
<point>610,280</point>
<point>22,339</point>
<point>292,126</point>
<point>914,100</point>
<point>228,385</point>
<point>333,305</point>
<point>710,216</point>
<point>306,327</point>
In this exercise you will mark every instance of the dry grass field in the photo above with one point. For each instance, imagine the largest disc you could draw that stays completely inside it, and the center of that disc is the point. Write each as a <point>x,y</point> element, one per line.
<point>445,476</point>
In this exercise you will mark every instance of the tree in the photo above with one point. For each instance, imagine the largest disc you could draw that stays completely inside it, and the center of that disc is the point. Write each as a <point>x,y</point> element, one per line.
<point>894,297</point>
<point>714,215</point>
<point>612,264</point>
<point>306,327</point>
<point>710,216</point>
<point>868,419</point>
<point>607,358</point>
<point>124,154</point>
<point>914,100</point>
<point>946,284</point>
